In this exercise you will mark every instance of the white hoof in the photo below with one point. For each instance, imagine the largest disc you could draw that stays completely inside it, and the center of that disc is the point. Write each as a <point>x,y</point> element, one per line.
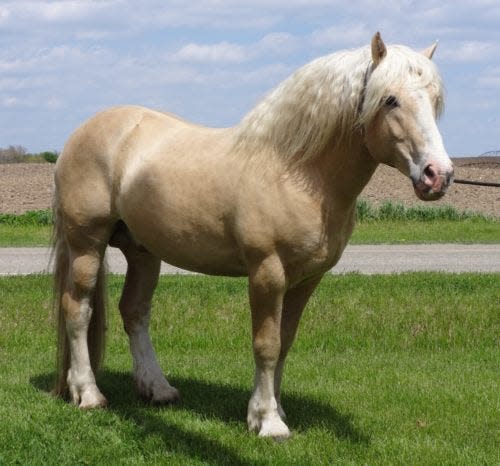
<point>268,426</point>
<point>88,398</point>
<point>93,400</point>
<point>274,428</point>
<point>84,392</point>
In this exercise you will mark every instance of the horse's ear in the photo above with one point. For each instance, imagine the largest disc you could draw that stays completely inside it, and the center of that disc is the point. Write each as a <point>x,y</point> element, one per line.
<point>379,51</point>
<point>429,51</point>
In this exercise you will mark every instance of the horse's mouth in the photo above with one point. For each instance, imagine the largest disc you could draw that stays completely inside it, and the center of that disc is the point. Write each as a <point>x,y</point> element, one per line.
<point>429,193</point>
<point>432,184</point>
<point>424,193</point>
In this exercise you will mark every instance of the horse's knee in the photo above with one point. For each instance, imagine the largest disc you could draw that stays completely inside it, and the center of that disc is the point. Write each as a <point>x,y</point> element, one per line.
<point>84,271</point>
<point>76,298</point>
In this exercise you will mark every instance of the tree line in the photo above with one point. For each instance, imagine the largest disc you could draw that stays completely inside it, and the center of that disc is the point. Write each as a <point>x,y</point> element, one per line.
<point>19,154</point>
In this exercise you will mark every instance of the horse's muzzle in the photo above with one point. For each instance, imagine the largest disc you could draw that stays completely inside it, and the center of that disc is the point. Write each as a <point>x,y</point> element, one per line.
<point>433,183</point>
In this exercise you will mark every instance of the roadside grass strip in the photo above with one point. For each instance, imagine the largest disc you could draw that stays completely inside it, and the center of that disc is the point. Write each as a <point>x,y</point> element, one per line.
<point>389,223</point>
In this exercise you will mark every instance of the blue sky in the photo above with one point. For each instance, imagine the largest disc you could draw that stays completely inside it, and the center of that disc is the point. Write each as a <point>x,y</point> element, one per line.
<point>210,61</point>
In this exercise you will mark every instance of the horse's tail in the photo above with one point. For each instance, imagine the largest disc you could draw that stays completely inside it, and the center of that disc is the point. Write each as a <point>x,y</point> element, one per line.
<point>97,328</point>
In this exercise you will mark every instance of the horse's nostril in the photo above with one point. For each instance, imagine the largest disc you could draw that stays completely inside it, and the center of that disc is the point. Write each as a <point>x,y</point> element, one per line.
<point>429,172</point>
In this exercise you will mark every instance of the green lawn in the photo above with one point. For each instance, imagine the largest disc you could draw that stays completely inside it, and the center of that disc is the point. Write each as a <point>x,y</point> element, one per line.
<point>418,232</point>
<point>388,223</point>
<point>24,235</point>
<point>371,232</point>
<point>398,369</point>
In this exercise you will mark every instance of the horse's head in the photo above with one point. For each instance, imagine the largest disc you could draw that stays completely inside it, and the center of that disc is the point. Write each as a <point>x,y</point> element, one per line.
<point>403,98</point>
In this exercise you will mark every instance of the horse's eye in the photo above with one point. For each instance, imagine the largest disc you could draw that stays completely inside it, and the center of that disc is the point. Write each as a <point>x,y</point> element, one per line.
<point>391,102</point>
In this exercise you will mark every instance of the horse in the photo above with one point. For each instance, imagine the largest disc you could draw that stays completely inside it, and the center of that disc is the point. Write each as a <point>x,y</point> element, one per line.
<point>272,198</point>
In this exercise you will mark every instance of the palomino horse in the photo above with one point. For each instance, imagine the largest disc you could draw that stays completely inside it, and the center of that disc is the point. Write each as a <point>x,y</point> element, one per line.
<point>272,199</point>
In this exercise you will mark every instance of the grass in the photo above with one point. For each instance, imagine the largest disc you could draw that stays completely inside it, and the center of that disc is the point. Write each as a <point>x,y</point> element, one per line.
<point>396,369</point>
<point>377,232</point>
<point>396,223</point>
<point>468,231</point>
<point>40,218</point>
<point>389,223</point>
<point>24,235</point>
<point>33,228</point>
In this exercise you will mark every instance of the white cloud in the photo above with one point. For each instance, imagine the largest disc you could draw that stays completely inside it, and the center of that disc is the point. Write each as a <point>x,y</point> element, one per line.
<point>490,79</point>
<point>271,45</point>
<point>50,59</point>
<point>278,43</point>
<point>9,102</point>
<point>471,52</point>
<point>54,103</point>
<point>345,35</point>
<point>222,52</point>
<point>61,11</point>
<point>4,14</point>
<point>58,11</point>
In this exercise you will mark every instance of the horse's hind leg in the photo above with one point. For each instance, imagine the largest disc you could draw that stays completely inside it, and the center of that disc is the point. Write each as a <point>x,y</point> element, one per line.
<point>78,304</point>
<point>135,307</point>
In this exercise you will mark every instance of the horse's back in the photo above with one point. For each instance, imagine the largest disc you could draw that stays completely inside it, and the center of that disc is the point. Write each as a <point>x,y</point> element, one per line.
<point>165,178</point>
<point>177,194</point>
<point>98,153</point>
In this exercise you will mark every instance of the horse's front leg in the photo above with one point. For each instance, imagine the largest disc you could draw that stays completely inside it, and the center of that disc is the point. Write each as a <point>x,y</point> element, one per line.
<point>266,290</point>
<point>293,304</point>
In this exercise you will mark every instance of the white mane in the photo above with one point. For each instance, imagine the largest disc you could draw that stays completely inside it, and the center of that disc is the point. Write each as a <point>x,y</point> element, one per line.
<point>330,98</point>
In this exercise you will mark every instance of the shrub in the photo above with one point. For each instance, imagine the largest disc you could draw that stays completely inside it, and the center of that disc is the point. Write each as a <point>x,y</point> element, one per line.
<point>50,156</point>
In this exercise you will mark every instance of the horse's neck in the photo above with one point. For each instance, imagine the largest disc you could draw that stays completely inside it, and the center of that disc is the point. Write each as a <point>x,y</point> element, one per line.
<point>342,171</point>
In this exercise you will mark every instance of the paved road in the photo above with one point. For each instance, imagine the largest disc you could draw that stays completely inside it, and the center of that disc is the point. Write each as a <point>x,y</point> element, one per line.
<point>364,259</point>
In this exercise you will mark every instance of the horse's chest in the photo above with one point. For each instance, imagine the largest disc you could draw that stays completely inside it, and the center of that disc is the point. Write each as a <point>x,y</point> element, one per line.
<point>316,254</point>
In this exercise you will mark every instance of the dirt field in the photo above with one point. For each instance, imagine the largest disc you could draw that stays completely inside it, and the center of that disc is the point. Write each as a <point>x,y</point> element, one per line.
<point>29,187</point>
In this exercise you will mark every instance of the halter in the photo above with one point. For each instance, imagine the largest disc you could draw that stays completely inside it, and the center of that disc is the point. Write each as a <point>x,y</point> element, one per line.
<point>368,72</point>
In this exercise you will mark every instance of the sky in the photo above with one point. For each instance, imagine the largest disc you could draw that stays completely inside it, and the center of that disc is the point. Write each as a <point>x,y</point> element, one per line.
<point>210,61</point>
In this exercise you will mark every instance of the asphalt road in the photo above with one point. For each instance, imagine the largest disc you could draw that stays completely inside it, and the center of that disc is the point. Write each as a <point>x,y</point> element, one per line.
<point>364,259</point>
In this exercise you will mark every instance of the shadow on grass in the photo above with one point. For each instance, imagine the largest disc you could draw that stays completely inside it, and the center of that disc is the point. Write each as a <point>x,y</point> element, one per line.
<point>210,401</point>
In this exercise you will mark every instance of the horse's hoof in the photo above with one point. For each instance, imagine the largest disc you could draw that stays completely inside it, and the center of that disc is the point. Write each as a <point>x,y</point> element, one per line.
<point>156,390</point>
<point>271,426</point>
<point>276,429</point>
<point>92,399</point>
<point>170,396</point>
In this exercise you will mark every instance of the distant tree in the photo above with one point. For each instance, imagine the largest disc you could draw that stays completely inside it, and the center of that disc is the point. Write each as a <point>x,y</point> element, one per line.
<point>13,154</point>
<point>50,156</point>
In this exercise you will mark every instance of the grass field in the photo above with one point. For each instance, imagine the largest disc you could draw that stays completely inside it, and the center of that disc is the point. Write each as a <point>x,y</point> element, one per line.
<point>389,223</point>
<point>396,369</point>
